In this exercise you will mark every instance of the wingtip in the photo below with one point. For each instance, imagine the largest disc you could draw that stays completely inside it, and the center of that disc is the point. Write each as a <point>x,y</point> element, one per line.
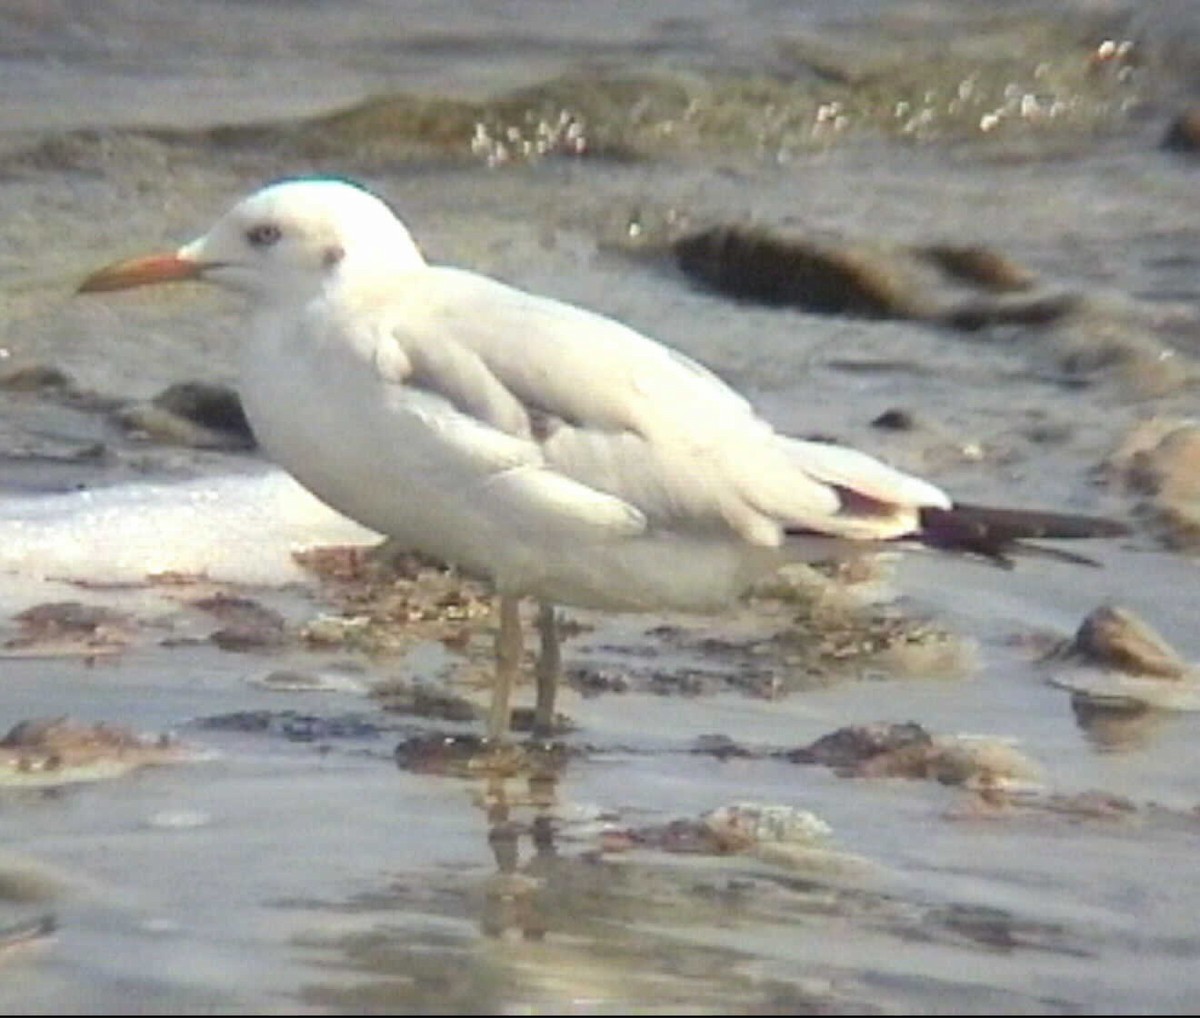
<point>993,532</point>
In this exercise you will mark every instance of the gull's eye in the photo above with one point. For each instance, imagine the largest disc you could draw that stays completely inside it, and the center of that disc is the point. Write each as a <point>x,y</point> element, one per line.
<point>263,235</point>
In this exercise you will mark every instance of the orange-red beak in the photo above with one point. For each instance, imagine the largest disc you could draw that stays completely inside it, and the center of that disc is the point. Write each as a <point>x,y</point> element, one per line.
<point>159,268</point>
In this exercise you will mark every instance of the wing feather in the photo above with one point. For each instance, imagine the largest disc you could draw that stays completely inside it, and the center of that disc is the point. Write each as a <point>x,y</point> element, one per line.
<point>618,418</point>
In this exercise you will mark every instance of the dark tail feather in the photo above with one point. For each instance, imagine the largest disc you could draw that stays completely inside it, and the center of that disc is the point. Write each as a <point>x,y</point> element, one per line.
<point>997,533</point>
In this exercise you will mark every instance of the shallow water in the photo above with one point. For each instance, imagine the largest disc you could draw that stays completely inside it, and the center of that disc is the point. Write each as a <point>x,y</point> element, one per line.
<point>280,874</point>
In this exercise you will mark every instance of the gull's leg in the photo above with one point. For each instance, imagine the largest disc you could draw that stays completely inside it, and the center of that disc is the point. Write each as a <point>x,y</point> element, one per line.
<point>548,671</point>
<point>508,663</point>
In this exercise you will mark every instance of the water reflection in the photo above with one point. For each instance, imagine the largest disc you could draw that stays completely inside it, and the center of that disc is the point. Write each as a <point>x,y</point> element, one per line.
<point>519,809</point>
<point>1117,726</point>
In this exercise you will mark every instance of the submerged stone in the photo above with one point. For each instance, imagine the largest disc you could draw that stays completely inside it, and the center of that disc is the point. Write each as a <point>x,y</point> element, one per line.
<point>964,287</point>
<point>55,751</point>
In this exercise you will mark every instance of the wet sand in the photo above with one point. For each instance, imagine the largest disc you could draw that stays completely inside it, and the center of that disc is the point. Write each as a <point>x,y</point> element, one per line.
<point>283,858</point>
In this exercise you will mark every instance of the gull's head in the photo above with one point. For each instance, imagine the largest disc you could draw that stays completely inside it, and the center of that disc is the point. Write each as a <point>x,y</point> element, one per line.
<point>287,241</point>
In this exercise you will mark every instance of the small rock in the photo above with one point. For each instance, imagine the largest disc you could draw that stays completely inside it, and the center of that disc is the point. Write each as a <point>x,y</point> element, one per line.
<point>472,756</point>
<point>55,751</point>
<point>298,727</point>
<point>1183,135</point>
<point>593,680</point>
<point>1117,638</point>
<point>853,745</point>
<point>895,420</point>
<point>1160,460</point>
<point>774,833</point>
<point>1122,664</point>
<point>196,414</point>
<point>720,746</point>
<point>34,378</point>
<point>983,764</point>
<point>887,750</point>
<point>70,628</point>
<point>743,826</point>
<point>248,624</point>
<point>1170,469</point>
<point>1143,437</point>
<point>215,407</point>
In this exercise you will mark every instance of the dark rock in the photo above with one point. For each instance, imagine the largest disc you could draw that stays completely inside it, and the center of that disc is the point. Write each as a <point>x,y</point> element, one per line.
<point>854,744</point>
<point>296,726</point>
<point>720,746</point>
<point>216,407</point>
<point>196,414</point>
<point>887,750</point>
<point>753,264</point>
<point>962,287</point>
<point>1183,135</point>
<point>472,756</point>
<point>895,420</point>
<point>248,625</point>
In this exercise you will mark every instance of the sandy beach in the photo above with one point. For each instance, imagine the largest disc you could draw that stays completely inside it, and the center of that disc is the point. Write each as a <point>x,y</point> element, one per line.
<point>239,772</point>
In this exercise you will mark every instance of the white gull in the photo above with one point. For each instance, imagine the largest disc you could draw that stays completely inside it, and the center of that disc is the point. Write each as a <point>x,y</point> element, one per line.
<point>556,452</point>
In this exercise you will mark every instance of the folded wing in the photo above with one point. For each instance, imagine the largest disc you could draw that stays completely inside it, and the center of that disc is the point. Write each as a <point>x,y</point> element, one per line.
<point>621,422</point>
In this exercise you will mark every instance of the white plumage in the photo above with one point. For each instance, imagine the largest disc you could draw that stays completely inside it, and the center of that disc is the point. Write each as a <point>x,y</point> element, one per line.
<point>557,452</point>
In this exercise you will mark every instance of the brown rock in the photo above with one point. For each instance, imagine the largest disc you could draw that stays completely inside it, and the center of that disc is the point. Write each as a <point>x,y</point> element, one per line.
<point>1117,638</point>
<point>1160,460</point>
<point>248,625</point>
<point>963,287</point>
<point>753,264</point>
<point>853,746</point>
<point>979,265</point>
<point>889,750</point>
<point>1184,133</point>
<point>70,628</point>
<point>1169,469</point>
<point>50,751</point>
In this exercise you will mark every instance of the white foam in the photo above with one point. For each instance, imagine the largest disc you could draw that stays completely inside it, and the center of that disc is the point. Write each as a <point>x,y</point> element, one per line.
<point>240,529</point>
